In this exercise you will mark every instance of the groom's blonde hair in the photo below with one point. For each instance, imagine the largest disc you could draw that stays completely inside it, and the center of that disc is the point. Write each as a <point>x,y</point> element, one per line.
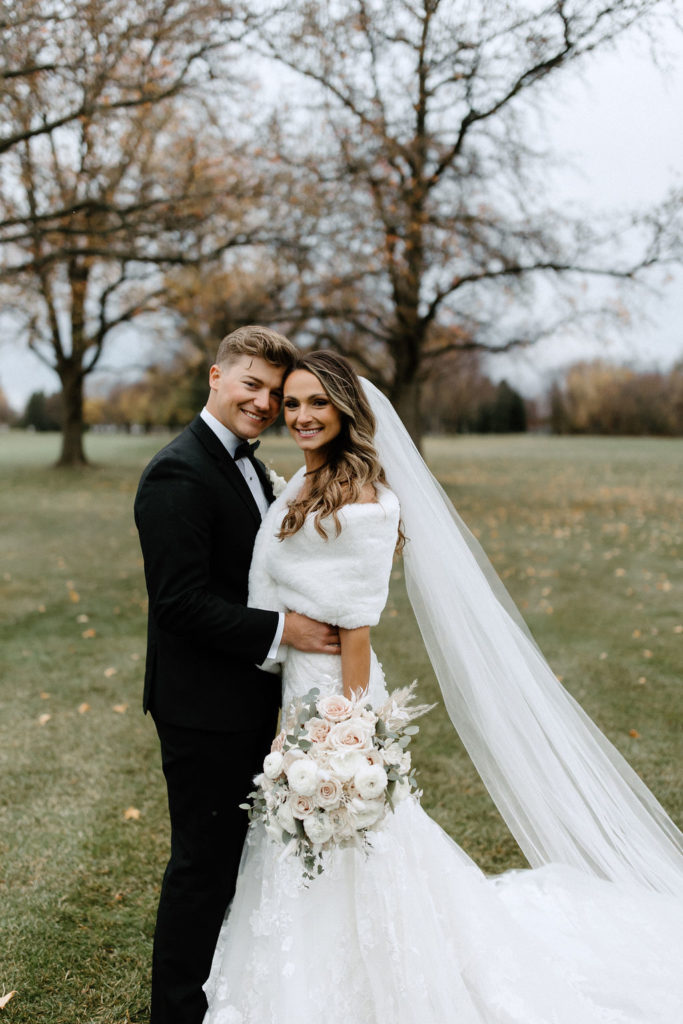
<point>262,342</point>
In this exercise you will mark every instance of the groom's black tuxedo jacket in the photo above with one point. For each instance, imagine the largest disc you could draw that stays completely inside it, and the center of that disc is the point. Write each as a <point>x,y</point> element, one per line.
<point>197,522</point>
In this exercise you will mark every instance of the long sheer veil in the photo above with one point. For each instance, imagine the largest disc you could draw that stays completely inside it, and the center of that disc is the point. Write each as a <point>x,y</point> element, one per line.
<point>565,792</point>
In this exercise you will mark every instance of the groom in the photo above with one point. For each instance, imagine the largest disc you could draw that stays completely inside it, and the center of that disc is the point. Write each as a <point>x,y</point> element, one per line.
<point>198,508</point>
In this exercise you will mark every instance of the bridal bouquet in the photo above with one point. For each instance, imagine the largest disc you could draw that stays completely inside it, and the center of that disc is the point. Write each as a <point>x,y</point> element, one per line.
<point>334,772</point>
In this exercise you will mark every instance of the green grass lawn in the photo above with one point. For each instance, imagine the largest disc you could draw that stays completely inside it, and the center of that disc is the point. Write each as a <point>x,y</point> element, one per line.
<point>586,534</point>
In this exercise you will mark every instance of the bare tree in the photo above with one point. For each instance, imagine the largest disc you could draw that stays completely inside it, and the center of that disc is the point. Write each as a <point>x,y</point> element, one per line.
<point>113,170</point>
<point>412,121</point>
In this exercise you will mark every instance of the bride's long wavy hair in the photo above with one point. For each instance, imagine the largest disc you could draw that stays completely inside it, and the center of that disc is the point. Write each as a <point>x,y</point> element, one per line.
<point>351,461</point>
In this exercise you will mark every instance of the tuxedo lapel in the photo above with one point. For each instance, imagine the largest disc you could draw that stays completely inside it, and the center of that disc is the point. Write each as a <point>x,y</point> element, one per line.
<point>226,464</point>
<point>264,477</point>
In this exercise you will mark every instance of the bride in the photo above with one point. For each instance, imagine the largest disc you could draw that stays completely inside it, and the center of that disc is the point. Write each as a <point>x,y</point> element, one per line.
<point>413,932</point>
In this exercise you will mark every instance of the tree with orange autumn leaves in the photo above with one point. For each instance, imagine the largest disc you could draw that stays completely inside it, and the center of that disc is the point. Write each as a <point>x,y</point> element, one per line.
<point>394,197</point>
<point>113,170</point>
<point>436,233</point>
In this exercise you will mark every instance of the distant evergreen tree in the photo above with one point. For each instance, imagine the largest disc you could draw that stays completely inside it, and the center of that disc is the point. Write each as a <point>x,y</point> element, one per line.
<point>505,414</point>
<point>559,420</point>
<point>42,412</point>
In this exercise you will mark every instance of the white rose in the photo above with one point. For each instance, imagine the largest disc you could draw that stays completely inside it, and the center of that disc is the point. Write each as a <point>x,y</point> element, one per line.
<point>335,708</point>
<point>318,828</point>
<point>302,776</point>
<point>286,818</point>
<point>272,764</point>
<point>373,756</point>
<point>393,753</point>
<point>368,715</point>
<point>364,813</point>
<point>295,754</point>
<point>354,734</point>
<point>370,781</point>
<point>345,763</point>
<point>329,793</point>
<point>340,823</point>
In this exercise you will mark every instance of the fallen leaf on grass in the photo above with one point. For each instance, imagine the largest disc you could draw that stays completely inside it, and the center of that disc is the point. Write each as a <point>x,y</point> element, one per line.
<point>4,1000</point>
<point>43,719</point>
<point>82,708</point>
<point>44,695</point>
<point>120,708</point>
<point>634,734</point>
<point>636,633</point>
<point>678,629</point>
<point>131,814</point>
<point>642,680</point>
<point>647,654</point>
<point>42,608</point>
<point>109,672</point>
<point>82,618</point>
<point>88,634</point>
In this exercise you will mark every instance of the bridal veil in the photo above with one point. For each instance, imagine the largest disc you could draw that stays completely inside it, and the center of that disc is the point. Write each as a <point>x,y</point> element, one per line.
<point>565,792</point>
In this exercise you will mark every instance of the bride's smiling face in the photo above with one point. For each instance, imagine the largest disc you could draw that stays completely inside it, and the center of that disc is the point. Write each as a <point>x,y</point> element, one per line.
<point>311,418</point>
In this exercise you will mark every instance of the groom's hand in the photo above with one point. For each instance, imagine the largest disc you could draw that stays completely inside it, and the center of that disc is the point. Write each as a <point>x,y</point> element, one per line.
<point>308,635</point>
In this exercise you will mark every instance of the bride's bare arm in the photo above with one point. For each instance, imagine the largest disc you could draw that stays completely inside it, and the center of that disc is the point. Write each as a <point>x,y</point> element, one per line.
<point>355,659</point>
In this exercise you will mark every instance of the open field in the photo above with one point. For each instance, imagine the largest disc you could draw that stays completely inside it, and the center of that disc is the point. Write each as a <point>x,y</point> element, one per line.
<point>587,534</point>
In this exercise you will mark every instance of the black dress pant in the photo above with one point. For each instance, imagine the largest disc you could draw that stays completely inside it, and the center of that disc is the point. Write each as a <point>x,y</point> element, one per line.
<point>208,774</point>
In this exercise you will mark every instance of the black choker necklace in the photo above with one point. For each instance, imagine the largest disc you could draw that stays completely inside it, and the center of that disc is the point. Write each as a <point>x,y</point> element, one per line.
<point>315,470</point>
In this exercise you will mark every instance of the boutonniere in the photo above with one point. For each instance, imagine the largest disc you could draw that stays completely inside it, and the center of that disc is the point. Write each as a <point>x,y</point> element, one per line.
<point>277,482</point>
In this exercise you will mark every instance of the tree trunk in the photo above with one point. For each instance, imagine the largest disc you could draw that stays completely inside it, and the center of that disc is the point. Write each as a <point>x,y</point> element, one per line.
<point>72,453</point>
<point>405,396</point>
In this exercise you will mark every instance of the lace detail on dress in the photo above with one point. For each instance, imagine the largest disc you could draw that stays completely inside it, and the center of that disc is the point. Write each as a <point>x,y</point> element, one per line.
<point>413,933</point>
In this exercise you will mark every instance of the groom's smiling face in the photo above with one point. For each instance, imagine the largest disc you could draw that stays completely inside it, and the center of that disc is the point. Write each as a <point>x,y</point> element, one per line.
<point>246,394</point>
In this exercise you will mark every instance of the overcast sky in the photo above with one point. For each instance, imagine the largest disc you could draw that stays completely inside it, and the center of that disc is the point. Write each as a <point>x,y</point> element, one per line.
<point>621,127</point>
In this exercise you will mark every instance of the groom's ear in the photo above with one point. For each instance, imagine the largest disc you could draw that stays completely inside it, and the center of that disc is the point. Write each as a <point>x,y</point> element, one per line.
<point>214,376</point>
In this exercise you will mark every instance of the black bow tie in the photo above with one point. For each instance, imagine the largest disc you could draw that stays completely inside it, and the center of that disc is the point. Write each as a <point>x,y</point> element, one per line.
<point>244,450</point>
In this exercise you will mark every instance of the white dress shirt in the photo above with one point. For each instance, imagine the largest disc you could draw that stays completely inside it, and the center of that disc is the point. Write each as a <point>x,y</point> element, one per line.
<point>230,442</point>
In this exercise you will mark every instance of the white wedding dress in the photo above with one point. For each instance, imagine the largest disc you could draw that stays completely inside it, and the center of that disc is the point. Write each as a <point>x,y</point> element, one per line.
<point>414,932</point>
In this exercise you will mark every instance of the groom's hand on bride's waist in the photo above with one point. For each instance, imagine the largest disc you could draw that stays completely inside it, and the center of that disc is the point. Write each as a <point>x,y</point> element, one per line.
<point>308,635</point>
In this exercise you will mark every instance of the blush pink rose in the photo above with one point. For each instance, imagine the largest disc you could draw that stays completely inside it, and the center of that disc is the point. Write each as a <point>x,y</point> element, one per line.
<point>354,734</point>
<point>301,806</point>
<point>317,730</point>
<point>328,794</point>
<point>335,708</point>
<point>278,743</point>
